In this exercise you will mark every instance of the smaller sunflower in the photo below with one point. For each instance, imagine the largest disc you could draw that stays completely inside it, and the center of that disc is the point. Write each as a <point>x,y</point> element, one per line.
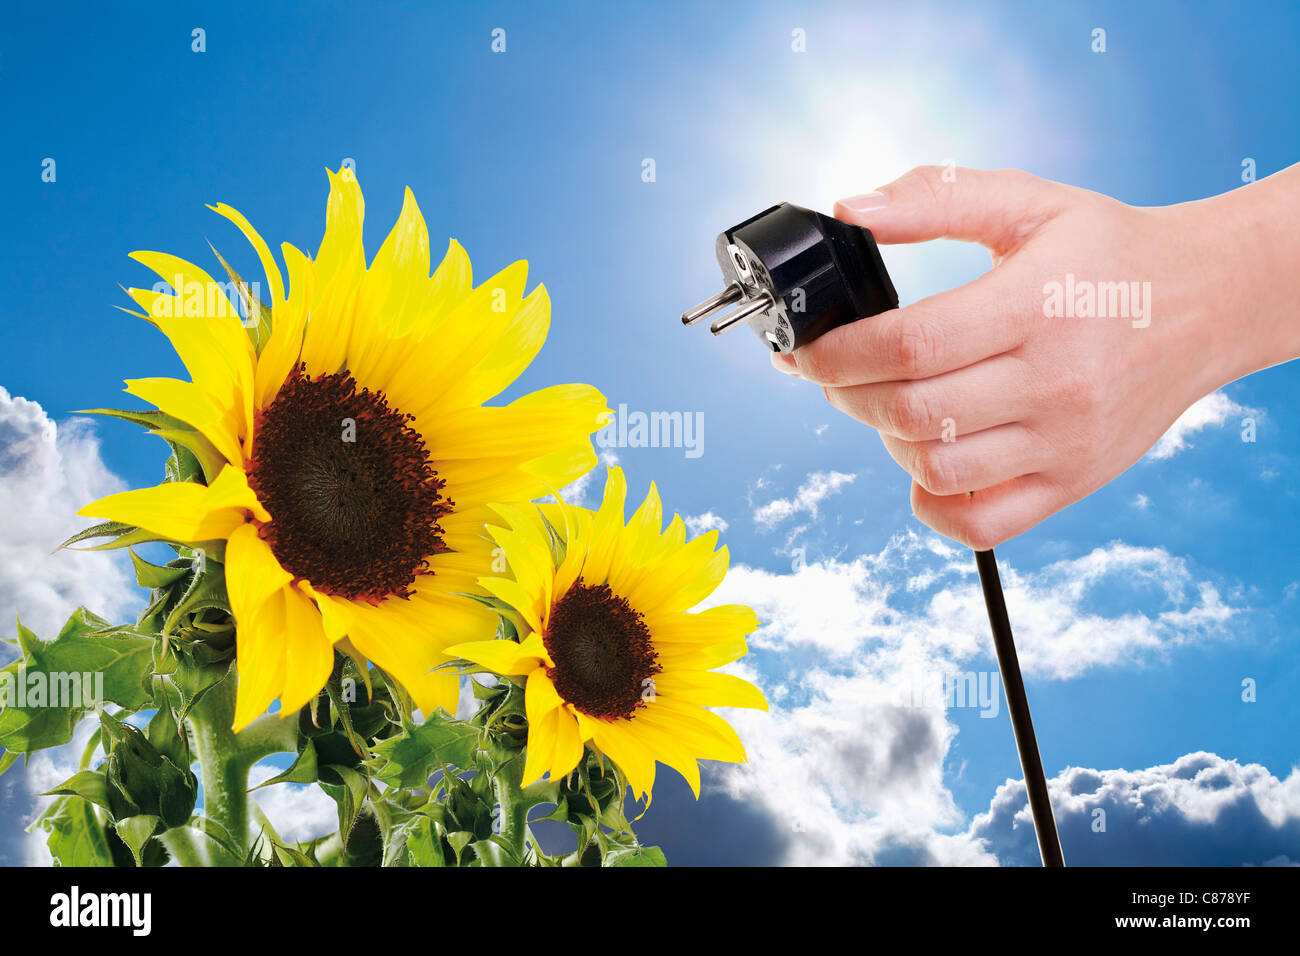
<point>609,653</point>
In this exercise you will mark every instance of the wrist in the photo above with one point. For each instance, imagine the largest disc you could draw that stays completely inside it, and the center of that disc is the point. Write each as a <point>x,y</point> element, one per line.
<point>1243,264</point>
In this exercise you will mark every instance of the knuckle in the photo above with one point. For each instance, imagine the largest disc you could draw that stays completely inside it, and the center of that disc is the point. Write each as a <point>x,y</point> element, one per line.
<point>818,365</point>
<point>1015,177</point>
<point>908,413</point>
<point>936,471</point>
<point>1079,392</point>
<point>932,179</point>
<point>917,349</point>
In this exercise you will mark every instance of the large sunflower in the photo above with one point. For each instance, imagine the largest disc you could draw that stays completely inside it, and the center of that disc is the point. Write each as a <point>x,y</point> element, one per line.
<point>354,457</point>
<point>609,652</point>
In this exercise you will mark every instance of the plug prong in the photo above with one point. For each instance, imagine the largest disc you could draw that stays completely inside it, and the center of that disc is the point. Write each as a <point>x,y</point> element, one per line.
<point>749,308</point>
<point>732,293</point>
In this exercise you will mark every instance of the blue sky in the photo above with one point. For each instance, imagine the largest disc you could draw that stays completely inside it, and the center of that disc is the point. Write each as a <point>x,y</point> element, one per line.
<point>538,153</point>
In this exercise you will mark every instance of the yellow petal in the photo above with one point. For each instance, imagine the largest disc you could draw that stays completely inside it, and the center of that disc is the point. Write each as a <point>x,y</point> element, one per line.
<point>409,638</point>
<point>541,746</point>
<point>173,510</point>
<point>669,750</point>
<point>540,695</point>
<point>309,654</point>
<point>717,625</point>
<point>606,528</point>
<point>621,745</point>
<point>259,646</point>
<point>397,282</point>
<point>513,594</point>
<point>500,657</point>
<point>710,689</point>
<point>340,267</point>
<point>230,489</point>
<point>189,403</point>
<point>569,750</point>
<point>526,429</point>
<point>288,326</point>
<point>269,266</point>
<point>702,730</point>
<point>252,574</point>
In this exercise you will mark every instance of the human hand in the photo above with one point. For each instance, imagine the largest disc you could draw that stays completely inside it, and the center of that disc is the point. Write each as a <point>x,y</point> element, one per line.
<point>1007,387</point>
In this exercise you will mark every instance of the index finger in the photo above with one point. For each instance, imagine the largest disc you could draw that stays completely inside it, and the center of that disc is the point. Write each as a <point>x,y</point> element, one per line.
<point>941,333</point>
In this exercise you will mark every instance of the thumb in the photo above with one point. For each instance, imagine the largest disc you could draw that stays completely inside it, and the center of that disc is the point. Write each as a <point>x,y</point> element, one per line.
<point>991,207</point>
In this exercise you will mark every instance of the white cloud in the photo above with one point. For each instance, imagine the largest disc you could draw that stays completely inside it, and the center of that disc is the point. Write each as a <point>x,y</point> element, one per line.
<point>814,490</point>
<point>1141,502</point>
<point>1200,810</point>
<point>861,756</point>
<point>298,812</point>
<point>47,472</point>
<point>1212,411</point>
<point>698,524</point>
<point>576,493</point>
<point>1058,636</point>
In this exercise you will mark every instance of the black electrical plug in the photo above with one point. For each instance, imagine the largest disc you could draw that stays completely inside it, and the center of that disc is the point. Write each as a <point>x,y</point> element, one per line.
<point>795,274</point>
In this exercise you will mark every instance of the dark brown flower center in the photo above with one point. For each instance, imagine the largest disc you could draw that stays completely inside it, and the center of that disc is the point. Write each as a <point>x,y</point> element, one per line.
<point>605,660</point>
<point>354,500</point>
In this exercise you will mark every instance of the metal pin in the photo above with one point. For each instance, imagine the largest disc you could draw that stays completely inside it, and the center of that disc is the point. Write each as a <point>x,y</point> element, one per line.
<point>761,303</point>
<point>730,294</point>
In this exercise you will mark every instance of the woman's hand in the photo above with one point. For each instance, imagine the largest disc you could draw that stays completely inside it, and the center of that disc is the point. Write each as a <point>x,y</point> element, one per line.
<point>1098,325</point>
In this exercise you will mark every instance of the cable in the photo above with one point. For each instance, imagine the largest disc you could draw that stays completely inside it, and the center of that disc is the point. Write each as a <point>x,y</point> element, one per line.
<point>1022,725</point>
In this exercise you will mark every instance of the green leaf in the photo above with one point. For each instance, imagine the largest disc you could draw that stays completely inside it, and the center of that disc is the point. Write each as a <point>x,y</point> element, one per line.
<point>410,758</point>
<point>148,418</point>
<point>259,330</point>
<point>86,645</point>
<point>296,857</point>
<point>136,832</point>
<point>7,759</point>
<point>104,529</point>
<point>154,576</point>
<point>350,798</point>
<point>206,460</point>
<point>164,732</point>
<point>302,771</point>
<point>206,590</point>
<point>495,851</point>
<point>88,784</point>
<point>635,856</point>
<point>75,835</point>
<point>413,842</point>
<point>217,833</point>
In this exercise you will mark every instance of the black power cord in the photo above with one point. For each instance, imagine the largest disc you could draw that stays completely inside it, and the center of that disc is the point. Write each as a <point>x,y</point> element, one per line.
<point>1022,725</point>
<point>793,274</point>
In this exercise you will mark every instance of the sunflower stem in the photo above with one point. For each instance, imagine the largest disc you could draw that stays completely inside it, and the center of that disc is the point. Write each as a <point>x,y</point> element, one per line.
<point>180,844</point>
<point>514,808</point>
<point>224,767</point>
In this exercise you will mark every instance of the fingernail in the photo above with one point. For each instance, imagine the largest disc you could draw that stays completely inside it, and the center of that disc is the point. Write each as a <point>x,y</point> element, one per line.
<point>867,202</point>
<point>784,363</point>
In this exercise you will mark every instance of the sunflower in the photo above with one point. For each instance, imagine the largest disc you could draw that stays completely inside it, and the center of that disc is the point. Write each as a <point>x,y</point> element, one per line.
<point>353,456</point>
<point>609,652</point>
